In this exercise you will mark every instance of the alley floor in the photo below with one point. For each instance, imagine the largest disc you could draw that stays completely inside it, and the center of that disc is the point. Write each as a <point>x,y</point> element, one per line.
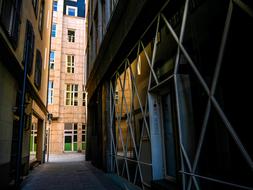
<point>67,172</point>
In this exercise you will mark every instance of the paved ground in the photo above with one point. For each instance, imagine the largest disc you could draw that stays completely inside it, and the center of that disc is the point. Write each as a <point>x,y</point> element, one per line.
<point>67,172</point>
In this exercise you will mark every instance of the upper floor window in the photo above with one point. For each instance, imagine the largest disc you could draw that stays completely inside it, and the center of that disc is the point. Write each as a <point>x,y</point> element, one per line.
<point>84,98</point>
<point>71,35</point>
<point>35,6</point>
<point>54,30</point>
<point>55,4</point>
<point>71,11</point>
<point>10,18</point>
<point>38,70</point>
<point>29,47</point>
<point>52,59</point>
<point>41,16</point>
<point>70,64</point>
<point>71,95</point>
<point>50,92</point>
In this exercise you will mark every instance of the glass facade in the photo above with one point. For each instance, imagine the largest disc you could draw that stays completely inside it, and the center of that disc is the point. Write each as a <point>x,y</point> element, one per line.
<point>178,100</point>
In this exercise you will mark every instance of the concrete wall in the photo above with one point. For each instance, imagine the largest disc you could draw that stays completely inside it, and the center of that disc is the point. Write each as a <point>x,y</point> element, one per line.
<point>7,103</point>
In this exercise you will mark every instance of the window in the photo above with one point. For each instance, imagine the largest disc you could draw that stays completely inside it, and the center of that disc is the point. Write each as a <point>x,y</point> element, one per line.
<point>29,47</point>
<point>54,30</point>
<point>50,92</point>
<point>71,94</point>
<point>70,137</point>
<point>70,64</point>
<point>10,18</point>
<point>35,6</point>
<point>52,59</point>
<point>71,35</point>
<point>41,16</point>
<point>83,136</point>
<point>33,138</point>
<point>38,70</point>
<point>55,5</point>
<point>71,11</point>
<point>84,96</point>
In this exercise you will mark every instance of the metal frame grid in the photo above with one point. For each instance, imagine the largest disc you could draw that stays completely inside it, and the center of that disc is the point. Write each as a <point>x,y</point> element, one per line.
<point>130,125</point>
<point>190,178</point>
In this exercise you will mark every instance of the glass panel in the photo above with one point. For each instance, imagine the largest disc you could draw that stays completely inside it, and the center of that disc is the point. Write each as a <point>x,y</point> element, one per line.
<point>68,143</point>
<point>68,95</point>
<point>75,138</point>
<point>83,127</point>
<point>55,5</point>
<point>83,138</point>
<point>130,95</point>
<point>68,126</point>
<point>75,146</point>
<point>169,141</point>
<point>69,59</point>
<point>76,87</point>
<point>234,86</point>
<point>83,146</point>
<point>68,87</point>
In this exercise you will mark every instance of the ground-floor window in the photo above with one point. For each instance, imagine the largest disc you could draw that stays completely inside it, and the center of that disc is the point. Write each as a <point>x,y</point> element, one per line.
<point>83,137</point>
<point>70,137</point>
<point>33,139</point>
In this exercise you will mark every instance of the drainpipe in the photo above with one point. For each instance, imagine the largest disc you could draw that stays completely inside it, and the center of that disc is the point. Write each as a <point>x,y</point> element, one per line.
<point>21,125</point>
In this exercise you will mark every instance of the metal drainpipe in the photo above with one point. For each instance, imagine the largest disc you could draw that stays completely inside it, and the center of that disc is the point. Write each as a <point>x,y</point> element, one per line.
<point>21,126</point>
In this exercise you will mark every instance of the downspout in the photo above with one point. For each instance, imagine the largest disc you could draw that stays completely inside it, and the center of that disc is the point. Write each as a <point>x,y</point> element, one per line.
<point>48,75</point>
<point>21,125</point>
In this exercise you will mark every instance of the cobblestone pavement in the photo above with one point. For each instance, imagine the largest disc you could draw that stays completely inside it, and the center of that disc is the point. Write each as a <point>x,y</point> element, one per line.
<point>67,172</point>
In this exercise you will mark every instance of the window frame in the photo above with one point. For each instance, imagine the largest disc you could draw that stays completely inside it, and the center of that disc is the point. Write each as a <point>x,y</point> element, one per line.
<point>52,61</point>
<point>28,55</point>
<point>38,70</point>
<point>54,30</point>
<point>72,91</point>
<point>71,38</point>
<point>10,19</point>
<point>70,66</point>
<point>41,17</point>
<point>68,7</point>
<point>55,6</point>
<point>50,92</point>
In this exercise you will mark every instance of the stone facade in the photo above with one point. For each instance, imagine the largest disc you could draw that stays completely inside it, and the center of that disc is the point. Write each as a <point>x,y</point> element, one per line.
<point>62,113</point>
<point>24,42</point>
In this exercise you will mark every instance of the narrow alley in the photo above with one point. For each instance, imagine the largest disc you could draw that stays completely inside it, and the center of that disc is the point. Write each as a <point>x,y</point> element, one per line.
<point>126,94</point>
<point>67,171</point>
